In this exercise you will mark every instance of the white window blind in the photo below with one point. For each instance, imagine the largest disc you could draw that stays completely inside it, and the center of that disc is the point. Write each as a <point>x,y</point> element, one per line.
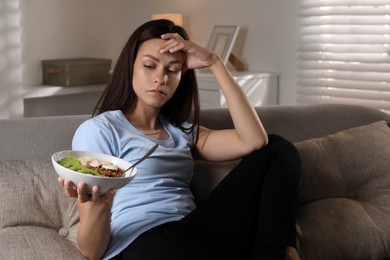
<point>344,55</point>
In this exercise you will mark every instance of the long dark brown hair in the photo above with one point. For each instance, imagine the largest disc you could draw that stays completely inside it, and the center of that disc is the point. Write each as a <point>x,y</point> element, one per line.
<point>119,93</point>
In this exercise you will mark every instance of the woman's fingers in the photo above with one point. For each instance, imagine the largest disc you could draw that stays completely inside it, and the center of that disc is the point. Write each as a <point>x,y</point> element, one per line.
<point>69,187</point>
<point>61,181</point>
<point>82,193</point>
<point>173,43</point>
<point>197,56</point>
<point>95,194</point>
<point>171,36</point>
<point>109,196</point>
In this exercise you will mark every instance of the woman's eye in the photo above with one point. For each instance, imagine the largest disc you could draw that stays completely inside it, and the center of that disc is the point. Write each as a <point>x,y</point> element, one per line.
<point>149,66</point>
<point>173,70</point>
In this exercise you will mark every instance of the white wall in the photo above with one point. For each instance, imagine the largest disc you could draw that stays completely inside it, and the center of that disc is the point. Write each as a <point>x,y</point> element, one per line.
<point>51,29</point>
<point>54,29</point>
<point>269,31</point>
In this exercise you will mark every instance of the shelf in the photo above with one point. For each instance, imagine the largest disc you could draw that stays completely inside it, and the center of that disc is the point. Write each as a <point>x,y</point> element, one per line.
<point>55,100</point>
<point>50,91</point>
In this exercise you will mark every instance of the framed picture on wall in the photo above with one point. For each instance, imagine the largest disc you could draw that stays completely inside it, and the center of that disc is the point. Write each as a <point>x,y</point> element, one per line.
<point>222,40</point>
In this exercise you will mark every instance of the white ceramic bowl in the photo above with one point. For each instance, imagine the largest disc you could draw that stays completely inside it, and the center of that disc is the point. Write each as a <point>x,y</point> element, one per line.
<point>105,183</point>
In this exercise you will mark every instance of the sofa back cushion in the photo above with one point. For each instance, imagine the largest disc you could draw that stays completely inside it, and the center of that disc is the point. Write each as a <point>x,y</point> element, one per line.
<point>301,122</point>
<point>37,138</point>
<point>344,194</point>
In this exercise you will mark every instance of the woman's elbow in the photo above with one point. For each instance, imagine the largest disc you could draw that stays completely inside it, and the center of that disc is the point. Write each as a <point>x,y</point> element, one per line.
<point>259,142</point>
<point>265,140</point>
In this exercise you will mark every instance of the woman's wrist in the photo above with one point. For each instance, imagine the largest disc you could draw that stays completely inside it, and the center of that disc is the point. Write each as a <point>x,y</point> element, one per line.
<point>216,62</point>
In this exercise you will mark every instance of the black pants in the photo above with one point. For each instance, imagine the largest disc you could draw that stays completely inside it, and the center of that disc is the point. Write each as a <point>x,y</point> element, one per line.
<point>249,215</point>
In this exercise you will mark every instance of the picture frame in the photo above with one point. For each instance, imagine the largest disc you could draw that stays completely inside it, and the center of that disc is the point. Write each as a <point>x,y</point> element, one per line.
<point>222,40</point>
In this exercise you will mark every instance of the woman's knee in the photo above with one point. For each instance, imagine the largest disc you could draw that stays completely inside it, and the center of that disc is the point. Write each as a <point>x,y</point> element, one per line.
<point>278,141</point>
<point>276,144</point>
<point>287,155</point>
<point>282,145</point>
<point>280,149</point>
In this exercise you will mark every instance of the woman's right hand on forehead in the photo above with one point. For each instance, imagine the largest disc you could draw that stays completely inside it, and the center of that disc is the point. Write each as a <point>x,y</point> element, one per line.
<point>197,57</point>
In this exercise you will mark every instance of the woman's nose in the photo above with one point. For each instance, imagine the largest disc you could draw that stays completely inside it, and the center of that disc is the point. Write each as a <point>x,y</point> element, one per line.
<point>161,78</point>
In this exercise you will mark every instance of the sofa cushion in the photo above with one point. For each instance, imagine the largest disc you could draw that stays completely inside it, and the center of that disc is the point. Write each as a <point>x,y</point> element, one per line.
<point>345,194</point>
<point>35,211</point>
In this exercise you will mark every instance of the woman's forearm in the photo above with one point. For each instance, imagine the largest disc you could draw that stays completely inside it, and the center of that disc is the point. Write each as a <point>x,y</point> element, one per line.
<point>93,235</point>
<point>246,121</point>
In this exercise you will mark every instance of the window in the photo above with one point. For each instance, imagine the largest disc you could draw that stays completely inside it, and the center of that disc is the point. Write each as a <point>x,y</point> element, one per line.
<point>344,55</point>
<point>11,66</point>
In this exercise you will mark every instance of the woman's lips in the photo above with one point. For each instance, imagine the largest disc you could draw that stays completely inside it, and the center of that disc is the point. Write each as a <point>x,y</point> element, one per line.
<point>157,91</point>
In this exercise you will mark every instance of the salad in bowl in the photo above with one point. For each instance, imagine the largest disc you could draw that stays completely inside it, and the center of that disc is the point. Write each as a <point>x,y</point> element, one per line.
<point>93,169</point>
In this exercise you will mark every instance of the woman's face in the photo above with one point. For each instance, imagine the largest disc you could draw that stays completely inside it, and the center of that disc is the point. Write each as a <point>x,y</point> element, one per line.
<point>155,75</point>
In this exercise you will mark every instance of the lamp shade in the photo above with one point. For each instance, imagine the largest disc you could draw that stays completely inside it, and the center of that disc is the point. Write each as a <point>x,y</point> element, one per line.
<point>177,18</point>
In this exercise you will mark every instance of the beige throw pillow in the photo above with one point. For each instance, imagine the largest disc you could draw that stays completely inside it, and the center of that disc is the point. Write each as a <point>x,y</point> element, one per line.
<point>35,214</point>
<point>344,196</point>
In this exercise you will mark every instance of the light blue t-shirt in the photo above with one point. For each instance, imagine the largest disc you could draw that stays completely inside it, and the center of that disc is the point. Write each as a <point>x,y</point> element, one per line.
<point>160,191</point>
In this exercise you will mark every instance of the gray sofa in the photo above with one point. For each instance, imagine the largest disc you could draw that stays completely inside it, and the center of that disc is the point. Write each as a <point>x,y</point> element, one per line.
<point>344,199</point>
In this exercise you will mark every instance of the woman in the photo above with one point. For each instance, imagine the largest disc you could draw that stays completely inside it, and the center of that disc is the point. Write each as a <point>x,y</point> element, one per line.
<point>149,100</point>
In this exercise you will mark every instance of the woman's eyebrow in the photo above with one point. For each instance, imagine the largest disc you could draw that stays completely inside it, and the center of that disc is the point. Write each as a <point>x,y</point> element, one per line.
<point>152,57</point>
<point>158,60</point>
